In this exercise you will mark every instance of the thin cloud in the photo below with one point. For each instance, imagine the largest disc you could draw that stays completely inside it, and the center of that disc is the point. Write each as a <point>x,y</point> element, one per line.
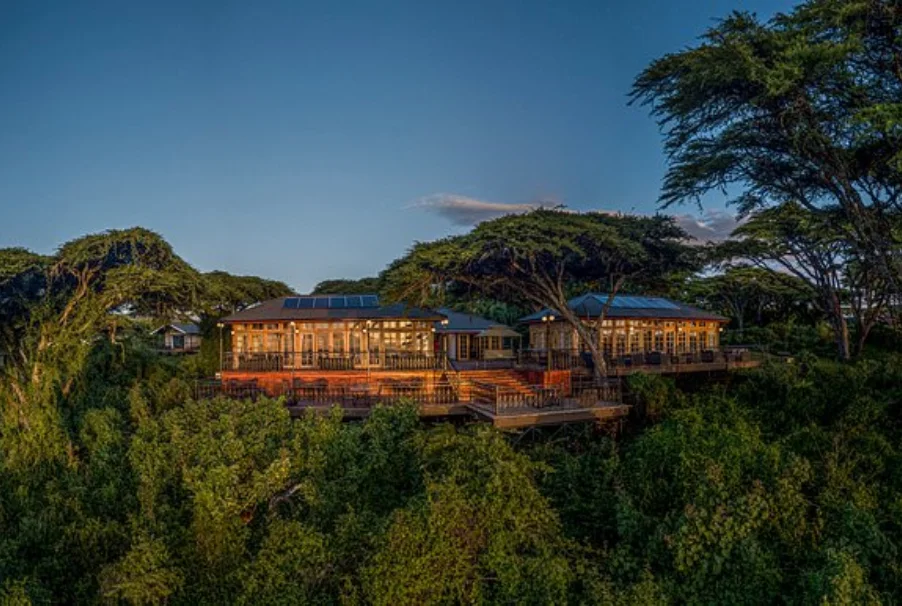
<point>464,211</point>
<point>710,226</point>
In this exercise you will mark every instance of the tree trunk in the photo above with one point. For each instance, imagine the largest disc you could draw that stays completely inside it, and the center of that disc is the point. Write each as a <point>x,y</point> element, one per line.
<point>598,364</point>
<point>841,335</point>
<point>864,329</point>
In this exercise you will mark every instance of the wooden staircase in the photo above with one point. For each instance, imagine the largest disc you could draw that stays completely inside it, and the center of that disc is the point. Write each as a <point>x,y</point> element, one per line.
<point>509,381</point>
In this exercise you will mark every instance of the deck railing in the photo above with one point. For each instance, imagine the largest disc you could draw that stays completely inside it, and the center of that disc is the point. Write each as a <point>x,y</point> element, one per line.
<point>567,359</point>
<point>308,360</point>
<point>501,398</point>
<point>320,393</point>
<point>497,398</point>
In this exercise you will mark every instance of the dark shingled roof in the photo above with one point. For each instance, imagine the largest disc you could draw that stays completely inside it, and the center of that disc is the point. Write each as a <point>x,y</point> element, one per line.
<point>185,328</point>
<point>328,307</point>
<point>461,322</point>
<point>627,306</point>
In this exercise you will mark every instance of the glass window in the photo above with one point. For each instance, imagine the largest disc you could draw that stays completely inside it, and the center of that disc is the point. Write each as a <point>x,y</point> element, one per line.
<point>635,342</point>
<point>607,343</point>
<point>273,342</point>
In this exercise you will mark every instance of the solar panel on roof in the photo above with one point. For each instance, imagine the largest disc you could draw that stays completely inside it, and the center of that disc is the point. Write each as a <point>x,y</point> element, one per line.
<point>353,301</point>
<point>305,303</point>
<point>290,303</point>
<point>337,302</point>
<point>370,301</point>
<point>321,303</point>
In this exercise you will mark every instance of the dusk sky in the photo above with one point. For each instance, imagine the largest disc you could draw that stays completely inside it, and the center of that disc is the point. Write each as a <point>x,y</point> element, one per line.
<point>305,141</point>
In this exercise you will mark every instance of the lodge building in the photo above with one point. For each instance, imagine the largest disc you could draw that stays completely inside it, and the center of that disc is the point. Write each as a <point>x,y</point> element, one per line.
<point>337,332</point>
<point>350,350</point>
<point>629,325</point>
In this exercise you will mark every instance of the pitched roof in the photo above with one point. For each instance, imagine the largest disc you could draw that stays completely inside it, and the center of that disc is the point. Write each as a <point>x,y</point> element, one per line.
<point>184,328</point>
<point>590,305</point>
<point>328,307</point>
<point>461,322</point>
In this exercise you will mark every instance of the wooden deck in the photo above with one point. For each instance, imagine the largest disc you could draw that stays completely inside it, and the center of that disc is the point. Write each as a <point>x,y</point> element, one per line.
<point>458,409</point>
<point>508,418</point>
<point>506,398</point>
<point>675,369</point>
<point>518,418</point>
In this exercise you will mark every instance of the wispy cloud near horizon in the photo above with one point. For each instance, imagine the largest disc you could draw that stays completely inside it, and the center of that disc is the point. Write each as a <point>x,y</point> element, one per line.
<point>464,211</point>
<point>711,226</point>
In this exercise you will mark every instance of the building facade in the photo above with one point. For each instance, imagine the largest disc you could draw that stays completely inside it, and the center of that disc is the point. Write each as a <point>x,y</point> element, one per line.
<point>179,337</point>
<point>466,337</point>
<point>331,332</point>
<point>630,325</point>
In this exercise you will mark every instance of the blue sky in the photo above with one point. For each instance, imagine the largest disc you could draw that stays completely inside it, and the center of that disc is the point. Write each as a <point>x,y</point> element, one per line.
<point>305,141</point>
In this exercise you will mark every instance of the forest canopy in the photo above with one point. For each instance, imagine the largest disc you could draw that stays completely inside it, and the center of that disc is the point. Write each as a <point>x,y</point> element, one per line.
<point>775,484</point>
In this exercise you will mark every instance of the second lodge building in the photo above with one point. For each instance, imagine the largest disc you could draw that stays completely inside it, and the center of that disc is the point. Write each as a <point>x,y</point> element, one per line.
<point>631,325</point>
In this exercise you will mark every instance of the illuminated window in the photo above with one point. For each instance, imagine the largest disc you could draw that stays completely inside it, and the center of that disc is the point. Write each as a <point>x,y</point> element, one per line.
<point>635,342</point>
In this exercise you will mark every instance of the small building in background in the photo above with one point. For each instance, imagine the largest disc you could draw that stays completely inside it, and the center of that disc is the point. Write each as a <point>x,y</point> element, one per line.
<point>467,337</point>
<point>179,337</point>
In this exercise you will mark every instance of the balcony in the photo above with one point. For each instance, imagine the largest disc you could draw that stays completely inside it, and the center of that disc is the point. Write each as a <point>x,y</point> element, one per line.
<point>308,360</point>
<point>655,361</point>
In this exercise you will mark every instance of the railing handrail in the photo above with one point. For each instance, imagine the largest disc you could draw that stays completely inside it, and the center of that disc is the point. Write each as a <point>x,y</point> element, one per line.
<point>262,361</point>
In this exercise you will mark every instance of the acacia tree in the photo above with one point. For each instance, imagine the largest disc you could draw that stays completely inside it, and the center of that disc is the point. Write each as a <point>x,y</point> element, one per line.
<point>805,107</point>
<point>742,291</point>
<point>224,293</point>
<point>536,257</point>
<point>74,297</point>
<point>808,245</point>
<point>23,281</point>
<point>347,287</point>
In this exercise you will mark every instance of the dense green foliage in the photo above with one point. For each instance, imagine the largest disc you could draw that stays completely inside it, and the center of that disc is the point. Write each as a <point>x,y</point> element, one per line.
<point>347,287</point>
<point>781,487</point>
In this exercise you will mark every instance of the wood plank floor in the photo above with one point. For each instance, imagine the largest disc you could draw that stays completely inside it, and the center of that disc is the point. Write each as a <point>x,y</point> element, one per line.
<point>512,418</point>
<point>517,418</point>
